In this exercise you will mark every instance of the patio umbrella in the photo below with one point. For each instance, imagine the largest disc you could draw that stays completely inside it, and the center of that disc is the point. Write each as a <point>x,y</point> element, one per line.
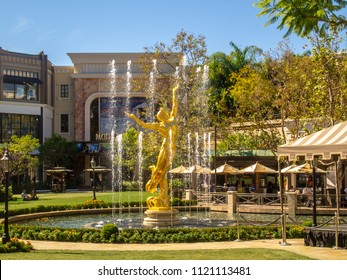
<point>178,170</point>
<point>194,170</point>
<point>98,168</point>
<point>286,169</point>
<point>197,169</point>
<point>58,169</point>
<point>258,169</point>
<point>225,169</point>
<point>304,168</point>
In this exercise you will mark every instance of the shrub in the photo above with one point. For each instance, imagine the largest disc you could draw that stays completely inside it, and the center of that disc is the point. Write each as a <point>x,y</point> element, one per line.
<point>108,231</point>
<point>307,223</point>
<point>93,203</point>
<point>130,186</point>
<point>111,233</point>
<point>14,245</point>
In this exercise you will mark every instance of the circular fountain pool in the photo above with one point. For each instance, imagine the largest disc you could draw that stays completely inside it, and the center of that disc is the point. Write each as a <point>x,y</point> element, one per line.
<point>187,219</point>
<point>132,220</point>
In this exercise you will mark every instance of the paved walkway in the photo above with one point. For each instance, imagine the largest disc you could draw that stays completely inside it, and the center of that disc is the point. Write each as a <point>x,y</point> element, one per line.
<point>297,246</point>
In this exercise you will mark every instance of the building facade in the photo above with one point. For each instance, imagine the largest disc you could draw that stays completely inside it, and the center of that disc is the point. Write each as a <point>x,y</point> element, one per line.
<point>91,98</point>
<point>82,103</point>
<point>26,95</point>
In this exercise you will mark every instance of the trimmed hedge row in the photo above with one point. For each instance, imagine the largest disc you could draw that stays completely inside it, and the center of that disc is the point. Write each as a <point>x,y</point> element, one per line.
<point>111,234</point>
<point>89,204</point>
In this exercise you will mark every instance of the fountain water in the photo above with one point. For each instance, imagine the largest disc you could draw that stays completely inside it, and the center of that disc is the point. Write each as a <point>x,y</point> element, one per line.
<point>160,212</point>
<point>128,88</point>
<point>152,85</point>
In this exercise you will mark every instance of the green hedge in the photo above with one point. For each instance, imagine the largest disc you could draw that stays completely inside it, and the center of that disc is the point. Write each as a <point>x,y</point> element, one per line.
<point>111,234</point>
<point>89,204</point>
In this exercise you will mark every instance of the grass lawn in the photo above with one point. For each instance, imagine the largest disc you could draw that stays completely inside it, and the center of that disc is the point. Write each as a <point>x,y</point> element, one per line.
<point>71,198</point>
<point>226,254</point>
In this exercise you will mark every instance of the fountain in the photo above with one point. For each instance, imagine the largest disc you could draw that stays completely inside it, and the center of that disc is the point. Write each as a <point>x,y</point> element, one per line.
<point>160,213</point>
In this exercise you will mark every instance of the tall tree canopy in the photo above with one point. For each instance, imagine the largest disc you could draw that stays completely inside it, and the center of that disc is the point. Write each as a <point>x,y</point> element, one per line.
<point>305,16</point>
<point>221,68</point>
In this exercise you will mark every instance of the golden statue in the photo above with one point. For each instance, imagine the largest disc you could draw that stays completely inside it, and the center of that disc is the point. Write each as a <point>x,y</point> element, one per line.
<point>168,128</point>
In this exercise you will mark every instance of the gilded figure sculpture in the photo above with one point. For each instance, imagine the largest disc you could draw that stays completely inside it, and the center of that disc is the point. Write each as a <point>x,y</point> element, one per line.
<point>167,127</point>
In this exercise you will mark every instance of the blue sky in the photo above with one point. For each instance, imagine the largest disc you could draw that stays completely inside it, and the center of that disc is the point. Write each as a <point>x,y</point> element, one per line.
<point>60,27</point>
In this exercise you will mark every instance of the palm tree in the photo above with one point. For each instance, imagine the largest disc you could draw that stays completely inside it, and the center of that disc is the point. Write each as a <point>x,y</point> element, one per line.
<point>221,67</point>
<point>242,57</point>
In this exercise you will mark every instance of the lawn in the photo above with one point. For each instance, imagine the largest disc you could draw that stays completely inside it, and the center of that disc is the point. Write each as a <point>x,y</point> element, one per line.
<point>72,198</point>
<point>224,254</point>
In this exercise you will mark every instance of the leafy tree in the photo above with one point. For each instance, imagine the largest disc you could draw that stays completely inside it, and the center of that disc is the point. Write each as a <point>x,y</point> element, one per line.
<point>254,95</point>
<point>186,57</point>
<point>248,139</point>
<point>191,50</point>
<point>305,16</point>
<point>22,151</point>
<point>292,78</point>
<point>330,79</point>
<point>221,103</point>
<point>57,151</point>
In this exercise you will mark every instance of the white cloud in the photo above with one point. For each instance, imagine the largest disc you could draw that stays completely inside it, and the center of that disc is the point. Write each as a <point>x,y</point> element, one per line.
<point>22,24</point>
<point>46,35</point>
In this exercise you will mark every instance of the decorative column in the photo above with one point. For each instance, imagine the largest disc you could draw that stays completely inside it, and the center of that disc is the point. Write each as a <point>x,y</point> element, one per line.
<point>292,201</point>
<point>232,201</point>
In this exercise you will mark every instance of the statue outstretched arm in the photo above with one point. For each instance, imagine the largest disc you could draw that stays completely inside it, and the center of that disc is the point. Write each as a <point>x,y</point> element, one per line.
<point>153,126</point>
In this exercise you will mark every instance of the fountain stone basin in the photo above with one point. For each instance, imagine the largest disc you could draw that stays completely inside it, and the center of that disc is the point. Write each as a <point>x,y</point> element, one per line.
<point>160,217</point>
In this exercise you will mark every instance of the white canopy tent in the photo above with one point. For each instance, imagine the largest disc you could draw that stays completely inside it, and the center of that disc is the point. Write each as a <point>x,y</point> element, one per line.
<point>324,143</point>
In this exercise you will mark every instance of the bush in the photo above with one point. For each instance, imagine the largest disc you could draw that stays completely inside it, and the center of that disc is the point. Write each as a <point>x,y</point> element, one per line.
<point>93,203</point>
<point>14,245</point>
<point>2,192</point>
<point>307,223</point>
<point>108,231</point>
<point>130,186</point>
<point>111,233</point>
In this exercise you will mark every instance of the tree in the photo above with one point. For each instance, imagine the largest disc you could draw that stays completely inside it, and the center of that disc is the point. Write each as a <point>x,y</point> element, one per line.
<point>221,103</point>
<point>57,151</point>
<point>293,80</point>
<point>330,80</point>
<point>22,151</point>
<point>304,16</point>
<point>190,73</point>
<point>254,96</point>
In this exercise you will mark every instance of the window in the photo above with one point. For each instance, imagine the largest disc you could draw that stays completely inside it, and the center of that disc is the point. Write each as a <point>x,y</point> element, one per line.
<point>20,125</point>
<point>64,123</point>
<point>20,91</point>
<point>20,85</point>
<point>64,91</point>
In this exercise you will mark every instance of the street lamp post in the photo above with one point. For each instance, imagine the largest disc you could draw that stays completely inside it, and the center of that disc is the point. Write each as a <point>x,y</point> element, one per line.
<point>6,166</point>
<point>92,165</point>
<point>314,193</point>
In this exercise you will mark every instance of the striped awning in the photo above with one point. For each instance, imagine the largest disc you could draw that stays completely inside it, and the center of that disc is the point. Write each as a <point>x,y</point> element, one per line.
<point>325,143</point>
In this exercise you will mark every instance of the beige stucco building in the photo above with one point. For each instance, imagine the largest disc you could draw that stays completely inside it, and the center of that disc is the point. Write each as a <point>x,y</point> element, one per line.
<point>26,95</point>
